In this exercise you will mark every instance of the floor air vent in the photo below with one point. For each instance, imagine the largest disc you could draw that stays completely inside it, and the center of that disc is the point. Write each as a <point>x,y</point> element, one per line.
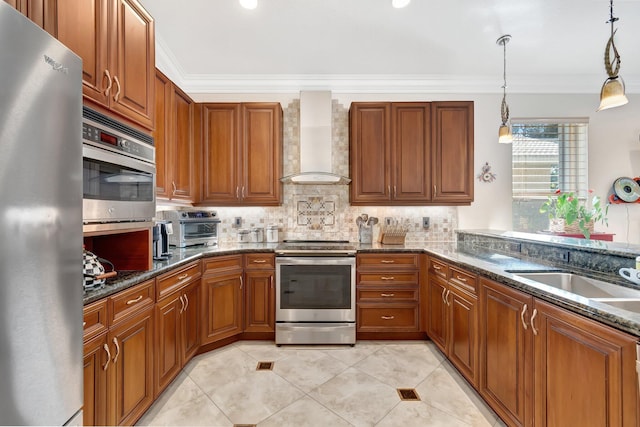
<point>408,394</point>
<point>264,366</point>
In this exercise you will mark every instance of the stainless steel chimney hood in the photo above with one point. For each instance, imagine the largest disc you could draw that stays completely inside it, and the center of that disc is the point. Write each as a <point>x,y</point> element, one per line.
<point>315,141</point>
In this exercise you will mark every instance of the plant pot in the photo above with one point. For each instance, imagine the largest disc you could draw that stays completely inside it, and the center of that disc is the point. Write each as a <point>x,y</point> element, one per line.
<point>558,225</point>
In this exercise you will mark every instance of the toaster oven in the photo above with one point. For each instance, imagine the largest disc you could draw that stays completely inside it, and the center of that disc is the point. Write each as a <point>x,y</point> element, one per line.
<point>191,227</point>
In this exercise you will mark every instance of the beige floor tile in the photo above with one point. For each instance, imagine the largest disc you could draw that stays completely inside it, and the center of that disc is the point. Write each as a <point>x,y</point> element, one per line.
<point>352,355</point>
<point>419,414</point>
<point>304,412</point>
<point>179,392</point>
<point>400,365</point>
<point>220,369</point>
<point>254,397</point>
<point>197,412</point>
<point>441,391</point>
<point>357,397</point>
<point>264,350</point>
<point>307,369</point>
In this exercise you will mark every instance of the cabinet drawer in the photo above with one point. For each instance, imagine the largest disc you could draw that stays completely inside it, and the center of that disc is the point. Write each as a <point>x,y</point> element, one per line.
<point>259,261</point>
<point>438,268</point>
<point>221,264</point>
<point>387,295</point>
<point>94,319</point>
<point>463,279</point>
<point>388,261</point>
<point>127,302</point>
<point>389,278</point>
<point>399,317</point>
<point>175,279</point>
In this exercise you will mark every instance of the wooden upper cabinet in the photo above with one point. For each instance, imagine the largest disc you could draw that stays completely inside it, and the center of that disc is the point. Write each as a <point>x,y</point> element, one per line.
<point>115,39</point>
<point>175,139</point>
<point>453,152</point>
<point>242,154</point>
<point>41,12</point>
<point>370,152</point>
<point>411,153</point>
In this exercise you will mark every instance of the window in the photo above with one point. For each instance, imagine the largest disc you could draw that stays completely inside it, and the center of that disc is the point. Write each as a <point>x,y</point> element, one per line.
<point>547,155</point>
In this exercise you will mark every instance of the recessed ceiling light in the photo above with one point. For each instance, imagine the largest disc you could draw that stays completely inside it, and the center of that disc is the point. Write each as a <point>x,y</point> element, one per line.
<point>399,3</point>
<point>249,4</point>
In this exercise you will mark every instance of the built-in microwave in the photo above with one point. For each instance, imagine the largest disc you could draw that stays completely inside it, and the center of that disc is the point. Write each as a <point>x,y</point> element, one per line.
<point>118,174</point>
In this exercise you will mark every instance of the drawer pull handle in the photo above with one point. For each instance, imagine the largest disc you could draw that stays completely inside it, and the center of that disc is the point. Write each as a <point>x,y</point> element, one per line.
<point>387,261</point>
<point>106,349</point>
<point>183,276</point>
<point>437,267</point>
<point>259,261</point>
<point>387,295</point>
<point>462,279</point>
<point>387,278</point>
<point>84,324</point>
<point>524,310</point>
<point>133,301</point>
<point>387,317</point>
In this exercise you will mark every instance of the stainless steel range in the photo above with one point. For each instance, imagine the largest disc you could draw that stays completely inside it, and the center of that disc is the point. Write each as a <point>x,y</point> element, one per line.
<point>315,292</point>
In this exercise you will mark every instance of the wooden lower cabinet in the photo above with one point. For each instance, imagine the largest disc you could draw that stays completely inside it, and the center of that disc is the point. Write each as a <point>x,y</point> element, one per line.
<point>452,316</point>
<point>542,365</point>
<point>259,301</point>
<point>94,410</point>
<point>222,303</point>
<point>130,376</point>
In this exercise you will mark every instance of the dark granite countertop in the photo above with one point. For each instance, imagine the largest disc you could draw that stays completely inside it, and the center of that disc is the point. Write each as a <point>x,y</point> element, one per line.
<point>491,265</point>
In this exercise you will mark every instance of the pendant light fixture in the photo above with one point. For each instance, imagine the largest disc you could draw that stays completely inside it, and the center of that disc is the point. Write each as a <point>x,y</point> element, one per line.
<point>612,92</point>
<point>504,133</point>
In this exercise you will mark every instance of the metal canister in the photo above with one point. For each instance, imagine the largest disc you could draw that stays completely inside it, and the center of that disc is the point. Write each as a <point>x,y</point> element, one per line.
<point>272,233</point>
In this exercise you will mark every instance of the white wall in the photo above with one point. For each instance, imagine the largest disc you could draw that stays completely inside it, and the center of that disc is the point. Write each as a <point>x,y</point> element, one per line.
<point>614,148</point>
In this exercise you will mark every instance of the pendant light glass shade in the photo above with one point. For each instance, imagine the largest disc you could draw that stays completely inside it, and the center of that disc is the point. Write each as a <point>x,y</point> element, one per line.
<point>504,132</point>
<point>612,92</point>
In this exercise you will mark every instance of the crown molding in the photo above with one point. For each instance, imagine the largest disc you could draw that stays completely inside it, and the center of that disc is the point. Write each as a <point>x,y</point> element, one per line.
<point>381,83</point>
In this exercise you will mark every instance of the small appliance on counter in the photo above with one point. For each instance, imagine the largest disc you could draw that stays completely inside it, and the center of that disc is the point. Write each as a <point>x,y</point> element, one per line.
<point>161,232</point>
<point>192,227</point>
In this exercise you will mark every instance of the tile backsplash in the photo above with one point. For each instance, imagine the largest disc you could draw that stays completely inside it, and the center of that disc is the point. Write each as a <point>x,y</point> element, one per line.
<point>323,212</point>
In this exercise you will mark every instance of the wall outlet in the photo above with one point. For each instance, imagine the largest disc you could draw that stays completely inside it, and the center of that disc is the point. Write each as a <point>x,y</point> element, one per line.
<point>425,222</point>
<point>237,222</point>
<point>388,220</point>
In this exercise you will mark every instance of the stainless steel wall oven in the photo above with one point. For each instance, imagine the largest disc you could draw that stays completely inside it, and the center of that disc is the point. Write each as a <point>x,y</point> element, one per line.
<point>315,293</point>
<point>118,173</point>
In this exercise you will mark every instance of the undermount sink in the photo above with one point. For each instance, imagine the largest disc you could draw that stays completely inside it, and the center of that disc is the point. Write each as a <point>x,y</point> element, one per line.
<point>628,304</point>
<point>583,286</point>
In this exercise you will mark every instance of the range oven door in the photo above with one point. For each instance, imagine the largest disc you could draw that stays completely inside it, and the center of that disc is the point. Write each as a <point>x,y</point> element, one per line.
<point>116,187</point>
<point>315,289</point>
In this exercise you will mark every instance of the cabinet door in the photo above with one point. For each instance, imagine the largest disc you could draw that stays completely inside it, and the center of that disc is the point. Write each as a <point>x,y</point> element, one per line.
<point>506,372</point>
<point>437,312</point>
<point>370,153</point>
<point>463,321</point>
<point>131,372</point>
<point>163,88</point>
<point>221,153</point>
<point>259,301</point>
<point>182,151</point>
<point>82,26</point>
<point>41,12</point>
<point>261,153</point>
<point>222,303</point>
<point>132,62</point>
<point>168,351</point>
<point>411,152</point>
<point>584,371</point>
<point>191,322</point>
<point>96,357</point>
<point>452,127</point>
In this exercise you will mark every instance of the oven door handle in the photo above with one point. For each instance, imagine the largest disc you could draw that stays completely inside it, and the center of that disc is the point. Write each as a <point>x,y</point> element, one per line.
<point>91,152</point>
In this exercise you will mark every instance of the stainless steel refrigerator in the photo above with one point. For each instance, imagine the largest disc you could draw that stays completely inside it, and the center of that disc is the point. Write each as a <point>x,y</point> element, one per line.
<point>40,226</point>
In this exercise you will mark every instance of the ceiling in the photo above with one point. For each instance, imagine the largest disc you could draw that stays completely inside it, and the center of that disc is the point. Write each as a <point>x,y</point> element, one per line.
<point>557,46</point>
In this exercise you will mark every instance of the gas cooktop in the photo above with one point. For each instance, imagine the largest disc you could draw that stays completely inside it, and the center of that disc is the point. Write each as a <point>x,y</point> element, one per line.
<point>315,248</point>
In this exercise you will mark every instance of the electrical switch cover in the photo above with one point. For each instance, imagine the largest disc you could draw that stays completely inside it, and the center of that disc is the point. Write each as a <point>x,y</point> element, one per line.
<point>425,222</point>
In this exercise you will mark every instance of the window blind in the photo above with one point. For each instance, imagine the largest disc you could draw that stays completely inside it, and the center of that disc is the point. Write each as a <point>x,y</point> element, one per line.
<point>549,155</point>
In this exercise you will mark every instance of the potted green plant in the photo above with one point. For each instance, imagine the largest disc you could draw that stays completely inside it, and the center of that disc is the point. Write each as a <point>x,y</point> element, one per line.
<point>568,214</point>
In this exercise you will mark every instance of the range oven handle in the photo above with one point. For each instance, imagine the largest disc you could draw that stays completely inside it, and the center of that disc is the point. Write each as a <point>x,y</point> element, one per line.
<point>315,260</point>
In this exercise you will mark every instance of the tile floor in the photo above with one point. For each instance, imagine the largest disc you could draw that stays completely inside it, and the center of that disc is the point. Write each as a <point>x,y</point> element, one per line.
<point>320,386</point>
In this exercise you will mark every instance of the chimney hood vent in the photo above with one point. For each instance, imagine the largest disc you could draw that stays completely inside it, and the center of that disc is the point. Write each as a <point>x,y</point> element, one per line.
<point>315,141</point>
